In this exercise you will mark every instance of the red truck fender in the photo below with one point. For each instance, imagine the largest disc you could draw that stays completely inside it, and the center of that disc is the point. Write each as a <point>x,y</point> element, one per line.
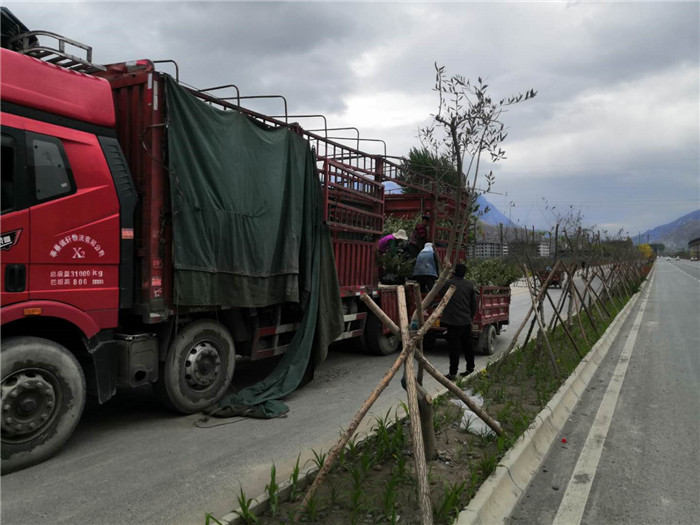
<point>82,320</point>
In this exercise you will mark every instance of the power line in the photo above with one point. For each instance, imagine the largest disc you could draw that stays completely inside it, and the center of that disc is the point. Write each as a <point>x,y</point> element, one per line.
<point>615,202</point>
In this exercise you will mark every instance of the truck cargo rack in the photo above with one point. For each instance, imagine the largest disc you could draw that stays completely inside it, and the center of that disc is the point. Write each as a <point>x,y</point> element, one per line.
<point>355,184</point>
<point>28,44</point>
<point>350,210</point>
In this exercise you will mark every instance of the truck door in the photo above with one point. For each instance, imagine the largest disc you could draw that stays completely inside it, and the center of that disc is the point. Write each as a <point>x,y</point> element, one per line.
<point>74,247</point>
<point>14,235</point>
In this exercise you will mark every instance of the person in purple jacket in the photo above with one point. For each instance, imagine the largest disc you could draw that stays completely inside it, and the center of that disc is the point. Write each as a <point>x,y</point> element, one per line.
<point>388,241</point>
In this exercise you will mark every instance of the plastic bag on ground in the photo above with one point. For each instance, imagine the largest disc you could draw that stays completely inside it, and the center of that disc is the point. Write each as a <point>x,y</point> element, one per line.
<point>470,421</point>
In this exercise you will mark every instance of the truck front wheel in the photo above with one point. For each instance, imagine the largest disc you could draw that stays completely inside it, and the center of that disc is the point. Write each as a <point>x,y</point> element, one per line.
<point>43,395</point>
<point>487,340</point>
<point>198,367</point>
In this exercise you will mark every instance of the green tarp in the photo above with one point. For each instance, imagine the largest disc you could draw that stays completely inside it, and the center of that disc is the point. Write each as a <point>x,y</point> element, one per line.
<point>244,199</point>
<point>247,229</point>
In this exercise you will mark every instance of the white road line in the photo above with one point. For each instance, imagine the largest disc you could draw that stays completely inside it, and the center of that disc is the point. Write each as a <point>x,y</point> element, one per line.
<point>688,274</point>
<point>574,501</point>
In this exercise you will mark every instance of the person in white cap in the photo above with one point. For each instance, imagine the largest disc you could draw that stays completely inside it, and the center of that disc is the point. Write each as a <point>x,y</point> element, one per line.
<point>389,241</point>
<point>427,268</point>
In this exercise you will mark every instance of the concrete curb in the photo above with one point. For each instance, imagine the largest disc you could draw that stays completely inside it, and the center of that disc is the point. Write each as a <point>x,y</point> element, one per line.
<point>499,494</point>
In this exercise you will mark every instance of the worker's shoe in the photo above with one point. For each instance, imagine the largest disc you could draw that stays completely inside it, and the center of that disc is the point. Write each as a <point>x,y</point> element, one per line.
<point>466,373</point>
<point>451,377</point>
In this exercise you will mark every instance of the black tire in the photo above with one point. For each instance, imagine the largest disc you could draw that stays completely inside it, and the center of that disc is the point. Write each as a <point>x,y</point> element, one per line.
<point>43,396</point>
<point>198,367</point>
<point>375,341</point>
<point>487,340</point>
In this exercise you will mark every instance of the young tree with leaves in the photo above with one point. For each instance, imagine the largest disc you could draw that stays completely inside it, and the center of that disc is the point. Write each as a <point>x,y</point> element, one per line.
<point>467,124</point>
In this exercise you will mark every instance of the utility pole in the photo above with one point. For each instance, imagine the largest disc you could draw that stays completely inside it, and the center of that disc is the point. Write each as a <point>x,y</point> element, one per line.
<point>500,234</point>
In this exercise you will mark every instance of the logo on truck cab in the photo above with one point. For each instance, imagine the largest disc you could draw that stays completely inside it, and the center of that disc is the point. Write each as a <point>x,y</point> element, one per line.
<point>9,239</point>
<point>78,251</point>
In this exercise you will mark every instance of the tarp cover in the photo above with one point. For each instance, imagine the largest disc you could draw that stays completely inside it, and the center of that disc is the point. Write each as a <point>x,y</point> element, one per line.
<point>245,200</point>
<point>247,229</point>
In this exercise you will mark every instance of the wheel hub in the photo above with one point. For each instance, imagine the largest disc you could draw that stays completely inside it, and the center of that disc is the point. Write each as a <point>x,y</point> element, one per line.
<point>28,402</point>
<point>202,365</point>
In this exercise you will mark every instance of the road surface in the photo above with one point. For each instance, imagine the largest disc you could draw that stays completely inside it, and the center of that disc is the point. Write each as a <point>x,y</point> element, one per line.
<point>632,447</point>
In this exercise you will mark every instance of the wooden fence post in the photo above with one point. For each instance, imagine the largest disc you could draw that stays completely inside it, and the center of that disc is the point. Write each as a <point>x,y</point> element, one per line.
<point>424,504</point>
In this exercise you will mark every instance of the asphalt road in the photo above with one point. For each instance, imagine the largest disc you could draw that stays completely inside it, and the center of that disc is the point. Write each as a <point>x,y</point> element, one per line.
<point>130,461</point>
<point>632,449</point>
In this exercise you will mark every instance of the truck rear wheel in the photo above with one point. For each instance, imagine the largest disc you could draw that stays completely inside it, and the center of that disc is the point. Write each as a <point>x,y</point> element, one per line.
<point>375,341</point>
<point>43,395</point>
<point>487,340</point>
<point>198,367</point>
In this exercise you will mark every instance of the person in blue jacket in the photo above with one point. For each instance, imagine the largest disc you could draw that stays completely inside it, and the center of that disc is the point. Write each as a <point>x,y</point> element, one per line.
<point>427,268</point>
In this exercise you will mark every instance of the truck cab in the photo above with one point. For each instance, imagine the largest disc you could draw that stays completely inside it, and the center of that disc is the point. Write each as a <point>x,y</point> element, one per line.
<point>67,205</point>
<point>60,209</point>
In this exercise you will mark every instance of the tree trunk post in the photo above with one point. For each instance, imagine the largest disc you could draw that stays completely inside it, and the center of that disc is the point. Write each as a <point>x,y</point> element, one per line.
<point>543,330</point>
<point>424,503</point>
<point>570,293</point>
<point>425,406</point>
<point>588,314</point>
<point>563,325</point>
<point>417,299</point>
<point>492,423</point>
<point>574,300</point>
<point>333,453</point>
<point>607,290</point>
<point>525,320</point>
<point>559,308</point>
<point>596,302</point>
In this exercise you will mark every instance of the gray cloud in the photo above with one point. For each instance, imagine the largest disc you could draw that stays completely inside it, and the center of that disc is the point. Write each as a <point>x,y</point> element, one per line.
<point>615,121</point>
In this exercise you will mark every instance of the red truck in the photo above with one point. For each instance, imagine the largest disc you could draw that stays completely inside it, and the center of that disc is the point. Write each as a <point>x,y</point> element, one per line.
<point>493,313</point>
<point>555,281</point>
<point>89,294</point>
<point>493,302</point>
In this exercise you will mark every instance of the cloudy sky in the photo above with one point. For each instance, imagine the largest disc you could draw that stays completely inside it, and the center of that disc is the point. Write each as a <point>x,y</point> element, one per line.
<point>614,130</point>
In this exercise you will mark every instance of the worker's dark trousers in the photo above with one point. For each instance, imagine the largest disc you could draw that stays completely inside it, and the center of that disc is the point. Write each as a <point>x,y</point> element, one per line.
<point>459,339</point>
<point>426,282</point>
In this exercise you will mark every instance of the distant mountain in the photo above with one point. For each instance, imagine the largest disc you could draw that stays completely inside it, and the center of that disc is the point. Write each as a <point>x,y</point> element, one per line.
<point>674,235</point>
<point>489,221</point>
<point>493,216</point>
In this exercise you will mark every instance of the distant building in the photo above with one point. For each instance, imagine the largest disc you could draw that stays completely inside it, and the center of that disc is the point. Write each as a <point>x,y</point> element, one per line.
<point>543,248</point>
<point>487,250</point>
<point>694,248</point>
